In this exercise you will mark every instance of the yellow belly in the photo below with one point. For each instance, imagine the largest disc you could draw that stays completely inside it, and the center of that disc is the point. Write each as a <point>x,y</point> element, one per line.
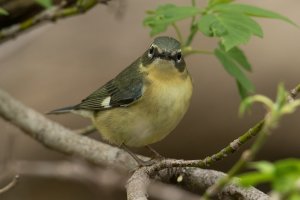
<point>151,118</point>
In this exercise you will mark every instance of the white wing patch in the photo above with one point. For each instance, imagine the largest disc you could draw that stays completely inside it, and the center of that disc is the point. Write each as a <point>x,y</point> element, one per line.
<point>106,102</point>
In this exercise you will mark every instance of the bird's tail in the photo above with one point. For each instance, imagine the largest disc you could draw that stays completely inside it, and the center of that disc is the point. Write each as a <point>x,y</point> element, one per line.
<point>61,110</point>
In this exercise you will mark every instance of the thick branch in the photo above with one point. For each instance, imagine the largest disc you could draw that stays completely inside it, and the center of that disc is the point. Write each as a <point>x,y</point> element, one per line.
<point>106,179</point>
<point>192,179</point>
<point>59,138</point>
<point>66,141</point>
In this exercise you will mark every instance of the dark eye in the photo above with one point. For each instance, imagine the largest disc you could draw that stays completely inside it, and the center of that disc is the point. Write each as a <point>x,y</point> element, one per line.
<point>151,52</point>
<point>178,57</point>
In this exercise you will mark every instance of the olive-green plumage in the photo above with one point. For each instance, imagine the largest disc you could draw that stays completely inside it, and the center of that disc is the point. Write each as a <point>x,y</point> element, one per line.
<point>145,102</point>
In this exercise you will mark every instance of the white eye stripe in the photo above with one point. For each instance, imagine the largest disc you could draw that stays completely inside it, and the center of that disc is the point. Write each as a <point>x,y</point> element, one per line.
<point>106,102</point>
<point>151,52</point>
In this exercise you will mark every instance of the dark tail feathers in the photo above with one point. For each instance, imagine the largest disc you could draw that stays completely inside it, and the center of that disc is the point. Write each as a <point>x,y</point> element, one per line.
<point>61,110</point>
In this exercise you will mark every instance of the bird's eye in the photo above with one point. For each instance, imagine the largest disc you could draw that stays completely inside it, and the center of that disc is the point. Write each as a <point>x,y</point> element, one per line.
<point>151,52</point>
<point>178,57</point>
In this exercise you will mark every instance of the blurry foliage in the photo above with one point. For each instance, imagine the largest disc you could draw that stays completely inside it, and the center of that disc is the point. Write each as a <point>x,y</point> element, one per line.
<point>283,176</point>
<point>45,3</point>
<point>3,12</point>
<point>231,23</point>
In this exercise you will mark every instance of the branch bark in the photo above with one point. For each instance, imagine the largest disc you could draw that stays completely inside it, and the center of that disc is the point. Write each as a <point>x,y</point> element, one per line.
<point>26,14</point>
<point>192,179</point>
<point>61,139</point>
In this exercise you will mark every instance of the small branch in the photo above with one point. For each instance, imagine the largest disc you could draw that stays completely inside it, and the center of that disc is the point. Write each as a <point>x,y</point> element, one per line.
<point>10,185</point>
<point>293,93</point>
<point>178,33</point>
<point>50,15</point>
<point>193,28</point>
<point>249,154</point>
<point>189,52</point>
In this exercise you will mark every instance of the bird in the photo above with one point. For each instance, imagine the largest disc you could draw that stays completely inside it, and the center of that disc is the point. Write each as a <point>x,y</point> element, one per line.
<point>144,102</point>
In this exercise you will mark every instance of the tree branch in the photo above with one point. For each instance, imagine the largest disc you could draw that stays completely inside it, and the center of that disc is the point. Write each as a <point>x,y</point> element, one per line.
<point>59,138</point>
<point>10,185</point>
<point>33,15</point>
<point>192,179</point>
<point>82,171</point>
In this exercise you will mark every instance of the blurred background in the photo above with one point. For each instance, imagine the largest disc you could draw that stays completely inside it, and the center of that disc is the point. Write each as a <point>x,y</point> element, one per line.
<point>59,64</point>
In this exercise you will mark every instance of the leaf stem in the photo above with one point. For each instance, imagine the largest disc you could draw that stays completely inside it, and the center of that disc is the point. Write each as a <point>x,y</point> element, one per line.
<point>178,33</point>
<point>248,155</point>
<point>193,28</point>
<point>189,51</point>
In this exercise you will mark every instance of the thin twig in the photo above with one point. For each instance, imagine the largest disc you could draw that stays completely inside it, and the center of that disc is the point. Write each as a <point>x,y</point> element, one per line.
<point>193,28</point>
<point>249,154</point>
<point>10,185</point>
<point>178,33</point>
<point>196,51</point>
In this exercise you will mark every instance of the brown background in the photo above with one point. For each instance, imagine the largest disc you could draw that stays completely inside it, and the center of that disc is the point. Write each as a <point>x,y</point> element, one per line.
<point>59,64</point>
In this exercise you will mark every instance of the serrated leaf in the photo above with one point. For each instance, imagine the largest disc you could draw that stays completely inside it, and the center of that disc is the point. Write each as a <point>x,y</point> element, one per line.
<point>166,15</point>
<point>3,12</point>
<point>233,28</point>
<point>231,67</point>
<point>210,26</point>
<point>238,55</point>
<point>252,11</point>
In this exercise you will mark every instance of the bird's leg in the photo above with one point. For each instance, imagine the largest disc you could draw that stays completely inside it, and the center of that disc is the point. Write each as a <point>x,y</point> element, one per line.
<point>156,156</point>
<point>140,162</point>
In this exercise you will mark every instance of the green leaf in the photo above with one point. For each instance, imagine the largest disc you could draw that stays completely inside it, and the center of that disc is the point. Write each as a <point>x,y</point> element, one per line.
<point>211,27</point>
<point>233,28</point>
<point>215,2</point>
<point>232,68</point>
<point>165,15</point>
<point>263,166</point>
<point>251,11</point>
<point>265,172</point>
<point>295,196</point>
<point>283,175</point>
<point>3,12</point>
<point>287,175</point>
<point>242,91</point>
<point>254,178</point>
<point>238,55</point>
<point>281,99</point>
<point>45,3</point>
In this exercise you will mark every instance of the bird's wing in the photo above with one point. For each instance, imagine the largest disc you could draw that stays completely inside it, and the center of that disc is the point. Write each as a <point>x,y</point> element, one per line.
<point>123,90</point>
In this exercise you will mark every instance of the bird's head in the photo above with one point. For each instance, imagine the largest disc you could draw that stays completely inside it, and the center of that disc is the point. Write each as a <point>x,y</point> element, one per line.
<point>164,54</point>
